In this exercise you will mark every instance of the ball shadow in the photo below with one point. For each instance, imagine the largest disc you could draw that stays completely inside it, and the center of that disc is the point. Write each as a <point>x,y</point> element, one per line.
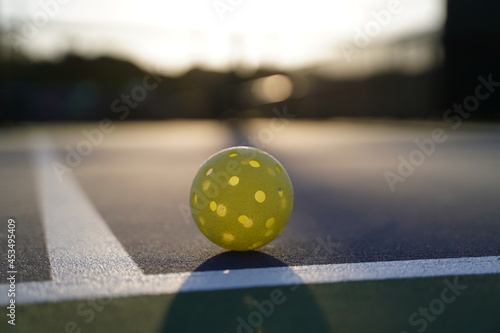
<point>283,308</point>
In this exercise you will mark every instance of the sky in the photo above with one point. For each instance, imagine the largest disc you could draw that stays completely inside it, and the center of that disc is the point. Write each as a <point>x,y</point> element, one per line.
<point>174,36</point>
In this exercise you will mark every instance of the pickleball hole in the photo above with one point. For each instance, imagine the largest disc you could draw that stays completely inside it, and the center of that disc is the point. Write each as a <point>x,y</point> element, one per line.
<point>234,180</point>
<point>260,196</point>
<point>206,185</point>
<point>256,244</point>
<point>195,198</point>
<point>280,191</point>
<point>254,163</point>
<point>213,206</point>
<point>221,210</point>
<point>227,237</point>
<point>209,171</point>
<point>279,168</point>
<point>245,220</point>
<point>233,154</point>
<point>270,222</point>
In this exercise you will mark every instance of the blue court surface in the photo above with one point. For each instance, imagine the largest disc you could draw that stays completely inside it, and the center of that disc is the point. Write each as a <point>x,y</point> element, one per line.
<point>395,228</point>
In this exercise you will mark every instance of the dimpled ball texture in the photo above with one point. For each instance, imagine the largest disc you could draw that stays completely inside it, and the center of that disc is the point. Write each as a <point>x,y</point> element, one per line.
<point>241,198</point>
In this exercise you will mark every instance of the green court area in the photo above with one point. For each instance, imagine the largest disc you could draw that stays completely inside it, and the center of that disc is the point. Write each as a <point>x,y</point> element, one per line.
<point>467,303</point>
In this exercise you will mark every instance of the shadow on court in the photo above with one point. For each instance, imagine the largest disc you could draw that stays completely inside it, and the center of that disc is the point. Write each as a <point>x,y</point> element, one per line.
<point>290,308</point>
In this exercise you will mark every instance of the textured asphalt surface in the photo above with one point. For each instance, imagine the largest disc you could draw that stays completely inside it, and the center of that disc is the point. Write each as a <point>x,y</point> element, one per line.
<point>138,178</point>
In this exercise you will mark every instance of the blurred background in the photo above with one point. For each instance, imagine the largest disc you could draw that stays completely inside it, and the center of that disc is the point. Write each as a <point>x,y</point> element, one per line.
<point>85,60</point>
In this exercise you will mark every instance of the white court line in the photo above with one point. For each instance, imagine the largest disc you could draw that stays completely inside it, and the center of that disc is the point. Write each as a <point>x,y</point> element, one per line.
<point>89,262</point>
<point>79,243</point>
<point>123,286</point>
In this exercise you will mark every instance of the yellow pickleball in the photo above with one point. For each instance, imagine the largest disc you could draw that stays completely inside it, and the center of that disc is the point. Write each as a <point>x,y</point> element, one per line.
<point>241,198</point>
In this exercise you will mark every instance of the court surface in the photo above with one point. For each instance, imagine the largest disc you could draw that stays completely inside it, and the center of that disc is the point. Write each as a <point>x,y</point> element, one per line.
<point>104,241</point>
